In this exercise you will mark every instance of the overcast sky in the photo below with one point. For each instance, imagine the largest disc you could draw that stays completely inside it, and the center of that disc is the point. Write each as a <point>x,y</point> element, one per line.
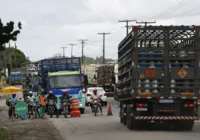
<point>51,24</point>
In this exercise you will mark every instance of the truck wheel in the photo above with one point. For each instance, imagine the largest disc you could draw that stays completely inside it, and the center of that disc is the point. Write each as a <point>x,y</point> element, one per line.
<point>187,125</point>
<point>183,125</point>
<point>124,116</point>
<point>131,124</point>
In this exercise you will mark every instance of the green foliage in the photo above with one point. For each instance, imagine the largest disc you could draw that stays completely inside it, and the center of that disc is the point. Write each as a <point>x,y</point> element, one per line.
<point>20,57</point>
<point>3,134</point>
<point>8,33</point>
<point>97,60</point>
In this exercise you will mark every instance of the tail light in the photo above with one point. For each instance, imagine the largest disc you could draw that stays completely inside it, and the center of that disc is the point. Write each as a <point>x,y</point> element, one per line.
<point>141,105</point>
<point>190,105</point>
<point>88,95</point>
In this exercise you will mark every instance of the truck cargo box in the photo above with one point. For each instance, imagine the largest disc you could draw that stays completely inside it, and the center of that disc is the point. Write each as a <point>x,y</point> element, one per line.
<point>159,62</point>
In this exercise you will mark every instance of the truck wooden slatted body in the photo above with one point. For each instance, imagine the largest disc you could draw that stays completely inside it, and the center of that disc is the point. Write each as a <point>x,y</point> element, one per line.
<point>105,76</point>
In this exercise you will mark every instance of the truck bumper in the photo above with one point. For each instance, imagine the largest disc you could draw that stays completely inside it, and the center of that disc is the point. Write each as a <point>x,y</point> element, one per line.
<point>167,117</point>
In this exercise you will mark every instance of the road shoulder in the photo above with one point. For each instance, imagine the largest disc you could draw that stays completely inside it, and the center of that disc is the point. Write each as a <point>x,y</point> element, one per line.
<point>37,129</point>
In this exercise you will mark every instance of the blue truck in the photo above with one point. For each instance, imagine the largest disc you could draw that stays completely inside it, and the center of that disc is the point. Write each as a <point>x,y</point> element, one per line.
<point>15,78</point>
<point>60,74</point>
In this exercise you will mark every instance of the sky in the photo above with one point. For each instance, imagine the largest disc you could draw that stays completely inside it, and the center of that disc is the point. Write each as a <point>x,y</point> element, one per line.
<point>49,25</point>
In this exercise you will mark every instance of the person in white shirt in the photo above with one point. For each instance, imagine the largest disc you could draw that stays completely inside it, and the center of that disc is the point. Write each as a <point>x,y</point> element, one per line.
<point>95,96</point>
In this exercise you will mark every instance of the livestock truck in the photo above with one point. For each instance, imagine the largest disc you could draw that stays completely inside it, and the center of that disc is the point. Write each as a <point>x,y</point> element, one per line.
<point>105,77</point>
<point>159,76</point>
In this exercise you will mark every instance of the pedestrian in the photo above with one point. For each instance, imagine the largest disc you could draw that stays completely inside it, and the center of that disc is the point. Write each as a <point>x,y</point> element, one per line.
<point>42,100</point>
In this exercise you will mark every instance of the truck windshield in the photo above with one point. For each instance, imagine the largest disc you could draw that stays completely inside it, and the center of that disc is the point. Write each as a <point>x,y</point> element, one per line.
<point>64,81</point>
<point>15,75</point>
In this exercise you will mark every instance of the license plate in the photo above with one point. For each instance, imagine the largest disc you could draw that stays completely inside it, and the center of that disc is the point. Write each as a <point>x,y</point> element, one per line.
<point>141,109</point>
<point>166,101</point>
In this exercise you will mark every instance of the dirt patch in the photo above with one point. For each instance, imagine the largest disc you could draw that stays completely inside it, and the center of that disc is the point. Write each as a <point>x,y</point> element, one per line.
<point>29,129</point>
<point>3,134</point>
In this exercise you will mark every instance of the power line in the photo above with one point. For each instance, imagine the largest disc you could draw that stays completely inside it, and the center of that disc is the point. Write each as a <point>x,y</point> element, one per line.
<point>63,50</point>
<point>127,25</point>
<point>174,8</point>
<point>82,42</point>
<point>72,45</point>
<point>186,12</point>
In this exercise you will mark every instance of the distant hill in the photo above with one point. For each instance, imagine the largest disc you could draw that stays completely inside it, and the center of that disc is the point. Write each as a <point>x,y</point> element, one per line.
<point>97,60</point>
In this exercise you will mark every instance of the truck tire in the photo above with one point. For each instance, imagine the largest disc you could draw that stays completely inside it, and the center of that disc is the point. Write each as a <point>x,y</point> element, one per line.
<point>132,124</point>
<point>184,125</point>
<point>130,119</point>
<point>124,115</point>
<point>122,112</point>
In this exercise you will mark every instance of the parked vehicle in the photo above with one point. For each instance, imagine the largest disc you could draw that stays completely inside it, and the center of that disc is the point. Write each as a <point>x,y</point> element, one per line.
<point>15,78</point>
<point>100,91</point>
<point>158,75</point>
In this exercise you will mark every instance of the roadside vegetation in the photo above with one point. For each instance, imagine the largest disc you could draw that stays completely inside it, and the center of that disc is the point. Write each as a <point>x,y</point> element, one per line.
<point>4,134</point>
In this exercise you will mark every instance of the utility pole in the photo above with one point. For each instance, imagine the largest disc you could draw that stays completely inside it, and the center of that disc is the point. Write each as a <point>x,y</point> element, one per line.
<point>103,44</point>
<point>15,56</point>
<point>71,48</point>
<point>127,26</point>
<point>145,22</point>
<point>5,59</point>
<point>82,42</point>
<point>103,55</point>
<point>63,50</point>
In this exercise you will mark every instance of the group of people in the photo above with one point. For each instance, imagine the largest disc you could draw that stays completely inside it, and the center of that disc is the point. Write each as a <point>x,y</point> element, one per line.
<point>42,100</point>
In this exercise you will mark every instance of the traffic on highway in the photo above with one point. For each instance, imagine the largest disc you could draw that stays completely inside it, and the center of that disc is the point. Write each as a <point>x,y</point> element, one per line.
<point>141,85</point>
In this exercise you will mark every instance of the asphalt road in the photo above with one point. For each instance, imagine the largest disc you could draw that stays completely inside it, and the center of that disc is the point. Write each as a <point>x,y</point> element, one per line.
<point>108,127</point>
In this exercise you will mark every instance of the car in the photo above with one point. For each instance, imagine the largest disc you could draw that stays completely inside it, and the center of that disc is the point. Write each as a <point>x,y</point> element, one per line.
<point>109,94</point>
<point>100,91</point>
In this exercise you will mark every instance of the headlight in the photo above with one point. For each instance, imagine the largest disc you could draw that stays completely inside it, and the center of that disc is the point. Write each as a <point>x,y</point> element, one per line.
<point>80,104</point>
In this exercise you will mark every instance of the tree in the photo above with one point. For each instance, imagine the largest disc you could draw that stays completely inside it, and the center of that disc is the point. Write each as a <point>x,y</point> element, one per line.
<point>20,57</point>
<point>8,33</point>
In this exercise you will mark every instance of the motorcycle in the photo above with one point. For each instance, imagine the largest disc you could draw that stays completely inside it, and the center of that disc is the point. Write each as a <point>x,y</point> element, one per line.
<point>35,108</point>
<point>52,108</point>
<point>95,107</point>
<point>65,108</point>
<point>12,113</point>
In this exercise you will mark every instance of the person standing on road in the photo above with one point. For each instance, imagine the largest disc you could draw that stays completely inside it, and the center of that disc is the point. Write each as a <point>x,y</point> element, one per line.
<point>95,96</point>
<point>42,100</point>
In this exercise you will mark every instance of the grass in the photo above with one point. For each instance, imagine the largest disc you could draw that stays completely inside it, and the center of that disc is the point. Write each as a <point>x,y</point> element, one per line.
<point>3,134</point>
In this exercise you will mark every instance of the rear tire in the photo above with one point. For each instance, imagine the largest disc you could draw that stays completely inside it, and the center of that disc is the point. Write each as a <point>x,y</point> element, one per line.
<point>183,125</point>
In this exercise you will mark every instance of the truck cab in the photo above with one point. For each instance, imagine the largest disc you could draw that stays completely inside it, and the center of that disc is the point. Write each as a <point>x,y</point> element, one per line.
<point>15,78</point>
<point>70,81</point>
<point>60,74</point>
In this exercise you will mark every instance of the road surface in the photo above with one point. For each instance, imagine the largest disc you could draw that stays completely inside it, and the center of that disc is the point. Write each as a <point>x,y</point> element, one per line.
<point>89,127</point>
